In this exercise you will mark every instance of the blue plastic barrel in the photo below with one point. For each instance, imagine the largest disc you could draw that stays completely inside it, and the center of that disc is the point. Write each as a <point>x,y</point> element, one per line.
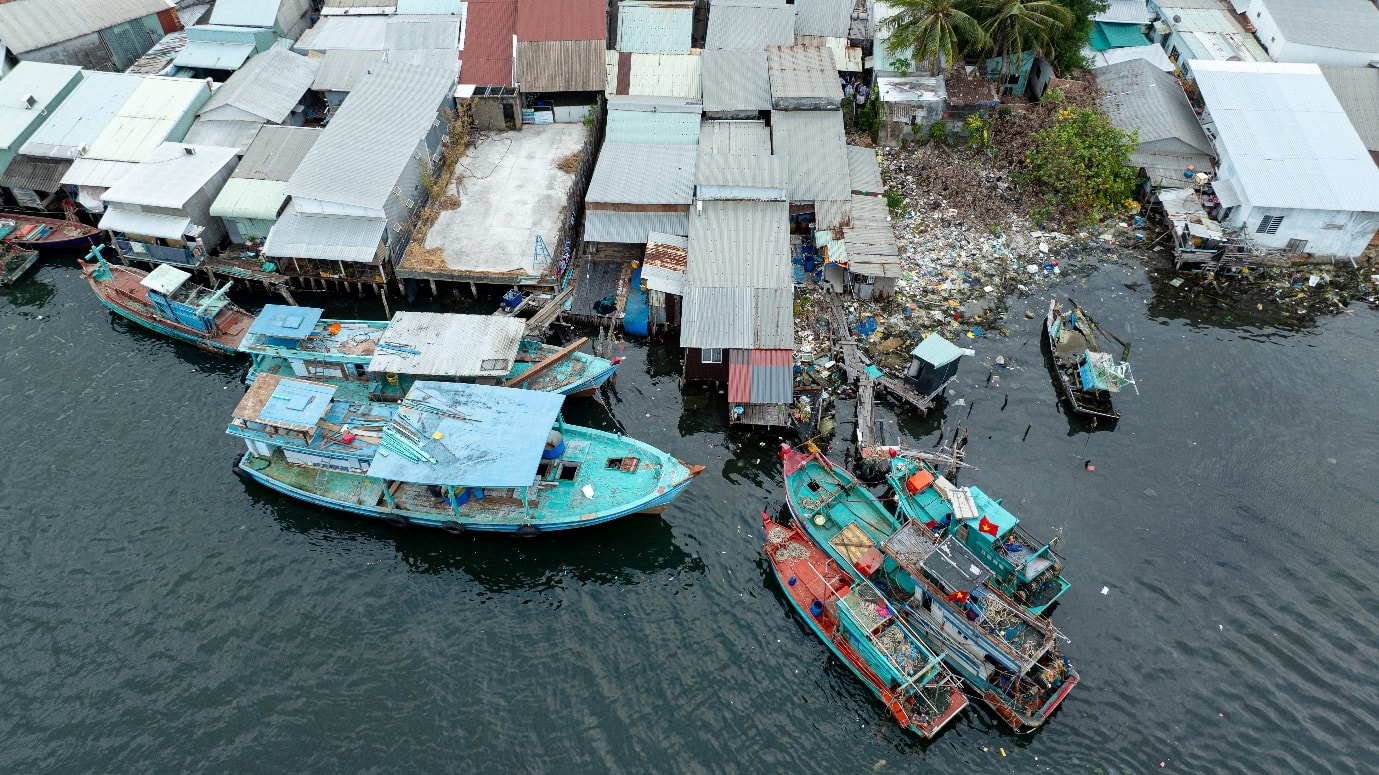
<point>816,609</point>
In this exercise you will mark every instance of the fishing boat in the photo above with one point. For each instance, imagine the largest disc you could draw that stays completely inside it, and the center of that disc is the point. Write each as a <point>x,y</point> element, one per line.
<point>31,231</point>
<point>14,262</point>
<point>451,455</point>
<point>1028,572</point>
<point>1086,375</point>
<point>1007,656</point>
<point>164,300</point>
<point>377,360</point>
<point>859,627</point>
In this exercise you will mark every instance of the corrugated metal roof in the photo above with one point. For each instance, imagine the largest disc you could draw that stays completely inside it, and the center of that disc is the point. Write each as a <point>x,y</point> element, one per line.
<point>47,83</point>
<point>226,134</point>
<point>146,224</point>
<point>269,86</point>
<point>96,173</point>
<point>26,25</point>
<point>254,199</point>
<point>372,138</point>
<point>549,20</point>
<point>631,227</point>
<point>739,244</point>
<point>82,116</point>
<point>430,7</point>
<point>212,55</point>
<point>488,56</point>
<point>498,443</point>
<point>1137,96</point>
<point>803,78</point>
<point>663,266</point>
<point>621,175</point>
<point>150,117</point>
<point>35,172</point>
<point>744,170</point>
<point>864,171</point>
<point>657,75</point>
<point>360,33</point>
<point>829,18</point>
<point>448,345</point>
<point>1125,12</point>
<point>1287,137</point>
<point>324,237</point>
<point>1356,88</point>
<point>735,81</point>
<point>566,65</point>
<point>1349,25</point>
<point>734,137</point>
<point>276,153</point>
<point>832,213</point>
<point>422,32</point>
<point>817,147</point>
<point>760,376</point>
<point>170,176</point>
<point>742,318</point>
<point>750,27</point>
<point>246,13</point>
<point>870,240</point>
<point>655,26</point>
<point>341,68</point>
<point>1213,33</point>
<point>670,124</point>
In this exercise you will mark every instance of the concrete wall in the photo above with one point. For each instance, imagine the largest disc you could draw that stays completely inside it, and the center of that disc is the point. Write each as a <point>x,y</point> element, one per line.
<point>1282,50</point>
<point>1329,234</point>
<point>87,51</point>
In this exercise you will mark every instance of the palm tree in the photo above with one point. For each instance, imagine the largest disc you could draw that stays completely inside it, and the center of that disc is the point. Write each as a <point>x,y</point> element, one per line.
<point>939,31</point>
<point>1017,26</point>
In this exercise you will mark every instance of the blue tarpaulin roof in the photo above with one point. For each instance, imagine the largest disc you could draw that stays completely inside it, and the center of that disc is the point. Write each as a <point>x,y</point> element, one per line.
<point>280,321</point>
<point>936,351</point>
<point>297,403</point>
<point>1109,35</point>
<point>490,436</point>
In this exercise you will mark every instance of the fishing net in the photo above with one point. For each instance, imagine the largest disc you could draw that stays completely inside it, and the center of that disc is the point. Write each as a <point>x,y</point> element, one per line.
<point>792,551</point>
<point>777,535</point>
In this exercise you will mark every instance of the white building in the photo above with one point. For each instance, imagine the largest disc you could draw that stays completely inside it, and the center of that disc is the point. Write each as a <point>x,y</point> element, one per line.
<point>1324,32</point>
<point>1291,170</point>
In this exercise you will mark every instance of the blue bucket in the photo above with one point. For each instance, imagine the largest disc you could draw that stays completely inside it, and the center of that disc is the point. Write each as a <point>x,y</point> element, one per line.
<point>816,609</point>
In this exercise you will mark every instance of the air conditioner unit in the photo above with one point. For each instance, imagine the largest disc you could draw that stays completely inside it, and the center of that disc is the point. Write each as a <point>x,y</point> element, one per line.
<point>29,101</point>
<point>410,204</point>
<point>397,227</point>
<point>397,191</point>
<point>445,139</point>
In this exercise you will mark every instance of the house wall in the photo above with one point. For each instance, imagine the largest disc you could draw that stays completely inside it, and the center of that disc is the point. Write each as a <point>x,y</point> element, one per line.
<point>240,229</point>
<point>1329,234</point>
<point>1282,50</point>
<point>87,51</point>
<point>696,369</point>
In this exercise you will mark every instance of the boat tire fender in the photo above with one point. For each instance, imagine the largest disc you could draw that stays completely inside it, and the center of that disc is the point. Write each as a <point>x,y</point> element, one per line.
<point>240,473</point>
<point>528,531</point>
<point>452,527</point>
<point>397,520</point>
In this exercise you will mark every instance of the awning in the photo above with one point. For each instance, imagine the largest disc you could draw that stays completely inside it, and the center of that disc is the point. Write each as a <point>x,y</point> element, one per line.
<point>96,173</point>
<point>210,55</point>
<point>146,224</point>
<point>1226,193</point>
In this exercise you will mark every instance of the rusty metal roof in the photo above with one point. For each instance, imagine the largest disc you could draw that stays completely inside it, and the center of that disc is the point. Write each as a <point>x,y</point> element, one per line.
<point>487,57</point>
<point>551,20</point>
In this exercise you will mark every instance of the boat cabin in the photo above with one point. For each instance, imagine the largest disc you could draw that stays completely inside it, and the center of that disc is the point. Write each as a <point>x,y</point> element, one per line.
<point>305,422</point>
<point>933,364</point>
<point>296,341</point>
<point>191,305</point>
<point>445,347</point>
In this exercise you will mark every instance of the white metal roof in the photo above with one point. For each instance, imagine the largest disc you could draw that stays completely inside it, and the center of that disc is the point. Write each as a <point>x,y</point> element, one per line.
<point>621,174</point>
<point>325,237</point>
<point>82,116</point>
<point>146,224</point>
<point>26,25</point>
<point>739,244</point>
<point>225,134</point>
<point>250,198</point>
<point>1287,137</point>
<point>148,118</point>
<point>42,81</point>
<point>165,279</point>
<point>448,345</point>
<point>170,175</point>
<point>361,33</point>
<point>341,68</point>
<point>1350,25</point>
<point>96,173</point>
<point>268,87</point>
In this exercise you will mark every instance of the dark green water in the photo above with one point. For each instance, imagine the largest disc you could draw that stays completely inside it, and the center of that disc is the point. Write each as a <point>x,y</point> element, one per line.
<point>160,616</point>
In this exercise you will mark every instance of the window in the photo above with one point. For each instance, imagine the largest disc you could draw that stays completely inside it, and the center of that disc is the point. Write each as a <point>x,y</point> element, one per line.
<point>568,471</point>
<point>711,355</point>
<point>1296,246</point>
<point>489,364</point>
<point>1269,224</point>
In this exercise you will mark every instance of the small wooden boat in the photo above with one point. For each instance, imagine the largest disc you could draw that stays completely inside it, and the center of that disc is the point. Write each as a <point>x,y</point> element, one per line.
<point>859,627</point>
<point>31,231</point>
<point>450,455</point>
<point>1087,376</point>
<point>14,262</point>
<point>165,301</point>
<point>1028,572</point>
<point>1007,656</point>
<point>487,349</point>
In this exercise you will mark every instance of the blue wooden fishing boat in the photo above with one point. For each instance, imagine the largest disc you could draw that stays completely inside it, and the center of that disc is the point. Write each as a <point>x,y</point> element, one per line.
<point>165,301</point>
<point>1025,570</point>
<point>379,360</point>
<point>861,629</point>
<point>1008,657</point>
<point>450,455</point>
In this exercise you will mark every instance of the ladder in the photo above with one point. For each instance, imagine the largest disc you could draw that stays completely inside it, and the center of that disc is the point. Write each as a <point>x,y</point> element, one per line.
<point>540,255</point>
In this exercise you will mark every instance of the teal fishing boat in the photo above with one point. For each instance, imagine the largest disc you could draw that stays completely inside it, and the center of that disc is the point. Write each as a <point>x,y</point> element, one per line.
<point>859,627</point>
<point>1008,657</point>
<point>449,455</point>
<point>373,360</point>
<point>1025,570</point>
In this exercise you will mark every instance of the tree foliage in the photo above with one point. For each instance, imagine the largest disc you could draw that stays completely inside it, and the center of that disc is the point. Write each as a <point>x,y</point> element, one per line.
<point>1068,44</point>
<point>1016,26</point>
<point>1080,165</point>
<point>939,32</point>
<point>942,33</point>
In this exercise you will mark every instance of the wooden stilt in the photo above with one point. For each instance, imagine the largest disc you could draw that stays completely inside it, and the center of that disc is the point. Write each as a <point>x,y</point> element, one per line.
<point>433,288</point>
<point>383,294</point>
<point>473,289</point>
<point>286,294</point>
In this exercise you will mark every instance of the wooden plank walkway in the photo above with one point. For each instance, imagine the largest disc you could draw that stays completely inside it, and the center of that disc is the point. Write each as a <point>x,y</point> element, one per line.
<point>854,363</point>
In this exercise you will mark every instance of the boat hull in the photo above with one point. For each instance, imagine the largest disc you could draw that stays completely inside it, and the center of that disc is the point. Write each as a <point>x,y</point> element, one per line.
<point>141,313</point>
<point>64,235</point>
<point>1095,404</point>
<point>16,265</point>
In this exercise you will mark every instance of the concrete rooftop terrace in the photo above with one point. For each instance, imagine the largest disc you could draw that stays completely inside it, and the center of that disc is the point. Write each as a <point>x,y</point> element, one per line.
<point>510,190</point>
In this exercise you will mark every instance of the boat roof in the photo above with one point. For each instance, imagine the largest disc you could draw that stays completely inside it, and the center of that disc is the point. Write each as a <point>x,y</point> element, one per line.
<point>287,403</point>
<point>283,322</point>
<point>165,279</point>
<point>936,350</point>
<point>488,436</point>
<point>956,566</point>
<point>434,344</point>
<point>994,512</point>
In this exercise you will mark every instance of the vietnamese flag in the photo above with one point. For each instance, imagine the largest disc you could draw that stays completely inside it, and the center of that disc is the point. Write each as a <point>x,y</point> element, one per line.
<point>987,526</point>
<point>958,597</point>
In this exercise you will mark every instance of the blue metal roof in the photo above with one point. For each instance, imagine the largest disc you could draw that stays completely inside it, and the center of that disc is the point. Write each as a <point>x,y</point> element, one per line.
<point>936,351</point>
<point>297,403</point>
<point>489,436</point>
<point>280,321</point>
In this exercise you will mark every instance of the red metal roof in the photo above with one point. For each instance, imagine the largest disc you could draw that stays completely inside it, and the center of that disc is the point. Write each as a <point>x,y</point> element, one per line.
<point>739,379</point>
<point>772,358</point>
<point>487,56</point>
<point>539,20</point>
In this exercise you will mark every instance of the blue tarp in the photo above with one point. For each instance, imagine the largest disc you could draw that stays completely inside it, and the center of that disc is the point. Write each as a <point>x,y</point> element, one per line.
<point>279,321</point>
<point>490,436</point>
